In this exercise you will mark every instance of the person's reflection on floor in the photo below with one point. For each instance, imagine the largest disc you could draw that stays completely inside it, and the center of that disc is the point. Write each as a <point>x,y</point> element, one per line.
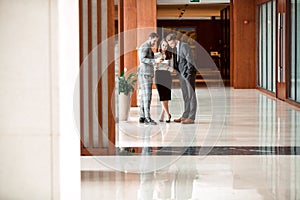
<point>146,162</point>
<point>187,172</point>
<point>174,181</point>
<point>185,179</point>
<point>165,181</point>
<point>146,187</point>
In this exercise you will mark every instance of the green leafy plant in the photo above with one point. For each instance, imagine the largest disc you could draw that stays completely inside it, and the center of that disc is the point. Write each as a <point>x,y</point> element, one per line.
<point>126,85</point>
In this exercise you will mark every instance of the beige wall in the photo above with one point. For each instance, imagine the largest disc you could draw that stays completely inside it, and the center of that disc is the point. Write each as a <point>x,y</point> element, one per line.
<point>38,68</point>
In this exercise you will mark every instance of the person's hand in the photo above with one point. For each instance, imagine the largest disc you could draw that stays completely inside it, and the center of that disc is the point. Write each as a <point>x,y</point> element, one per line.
<point>158,60</point>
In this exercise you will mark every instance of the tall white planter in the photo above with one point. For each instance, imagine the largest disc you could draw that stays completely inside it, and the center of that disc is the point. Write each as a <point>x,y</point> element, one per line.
<point>124,106</point>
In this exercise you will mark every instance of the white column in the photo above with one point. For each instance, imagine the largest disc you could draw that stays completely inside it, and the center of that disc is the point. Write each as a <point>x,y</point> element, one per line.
<point>69,93</point>
<point>39,62</point>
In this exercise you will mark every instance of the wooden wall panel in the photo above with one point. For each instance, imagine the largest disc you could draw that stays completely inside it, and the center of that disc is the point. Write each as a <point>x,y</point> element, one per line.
<point>134,15</point>
<point>130,25</point>
<point>147,14</point>
<point>100,85</point>
<point>111,76</point>
<point>231,45</point>
<point>121,36</point>
<point>94,140</point>
<point>282,6</point>
<point>90,75</point>
<point>81,57</point>
<point>129,19</point>
<point>146,23</point>
<point>244,44</point>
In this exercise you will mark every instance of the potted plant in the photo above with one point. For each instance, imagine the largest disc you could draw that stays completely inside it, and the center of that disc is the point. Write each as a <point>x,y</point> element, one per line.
<point>126,87</point>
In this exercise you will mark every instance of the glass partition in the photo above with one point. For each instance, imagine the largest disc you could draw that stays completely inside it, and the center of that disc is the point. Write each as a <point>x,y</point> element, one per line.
<point>267,48</point>
<point>294,72</point>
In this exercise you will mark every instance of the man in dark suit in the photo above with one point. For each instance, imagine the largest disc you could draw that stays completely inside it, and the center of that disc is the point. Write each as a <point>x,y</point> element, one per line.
<point>184,64</point>
<point>145,77</point>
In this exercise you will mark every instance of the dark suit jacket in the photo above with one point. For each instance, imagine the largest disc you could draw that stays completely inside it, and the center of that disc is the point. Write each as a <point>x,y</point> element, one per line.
<point>185,60</point>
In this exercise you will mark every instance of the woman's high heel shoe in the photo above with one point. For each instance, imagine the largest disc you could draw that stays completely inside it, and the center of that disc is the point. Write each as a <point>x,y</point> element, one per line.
<point>169,120</point>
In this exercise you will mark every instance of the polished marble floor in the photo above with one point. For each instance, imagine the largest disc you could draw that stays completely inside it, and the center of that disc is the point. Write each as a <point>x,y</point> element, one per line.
<point>225,117</point>
<point>244,145</point>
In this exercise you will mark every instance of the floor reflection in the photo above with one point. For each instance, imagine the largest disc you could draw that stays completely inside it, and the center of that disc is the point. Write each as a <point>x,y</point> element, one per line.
<point>249,118</point>
<point>216,177</point>
<point>254,153</point>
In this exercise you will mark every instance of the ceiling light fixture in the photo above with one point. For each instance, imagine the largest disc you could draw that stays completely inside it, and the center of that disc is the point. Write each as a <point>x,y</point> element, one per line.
<point>182,11</point>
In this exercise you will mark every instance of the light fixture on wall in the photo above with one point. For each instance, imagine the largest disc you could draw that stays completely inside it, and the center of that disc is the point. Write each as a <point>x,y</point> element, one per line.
<point>246,21</point>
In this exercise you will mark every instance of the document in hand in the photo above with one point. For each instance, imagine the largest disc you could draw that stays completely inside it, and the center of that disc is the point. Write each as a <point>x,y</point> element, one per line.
<point>157,55</point>
<point>163,64</point>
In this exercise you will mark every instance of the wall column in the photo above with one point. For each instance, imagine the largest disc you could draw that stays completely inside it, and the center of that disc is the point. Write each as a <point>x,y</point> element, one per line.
<point>39,69</point>
<point>135,14</point>
<point>243,39</point>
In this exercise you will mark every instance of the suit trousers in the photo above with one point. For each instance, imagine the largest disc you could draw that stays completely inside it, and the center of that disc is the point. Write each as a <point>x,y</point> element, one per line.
<point>145,86</point>
<point>187,85</point>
